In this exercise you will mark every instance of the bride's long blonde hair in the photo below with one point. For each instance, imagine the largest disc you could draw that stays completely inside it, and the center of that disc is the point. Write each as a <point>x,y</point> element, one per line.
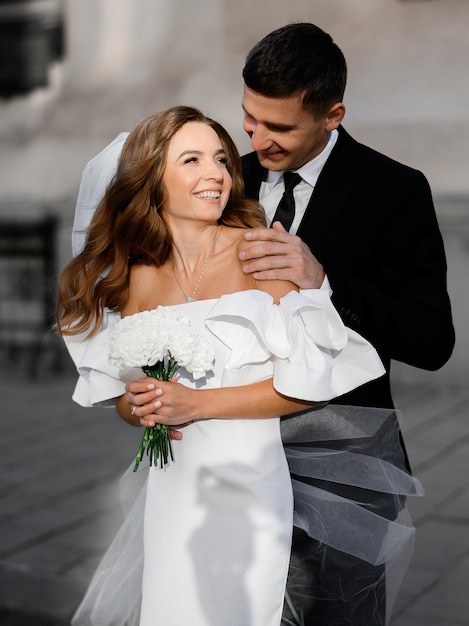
<point>128,228</point>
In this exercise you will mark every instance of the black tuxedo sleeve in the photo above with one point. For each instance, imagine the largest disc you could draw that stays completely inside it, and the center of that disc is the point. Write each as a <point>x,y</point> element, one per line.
<point>399,301</point>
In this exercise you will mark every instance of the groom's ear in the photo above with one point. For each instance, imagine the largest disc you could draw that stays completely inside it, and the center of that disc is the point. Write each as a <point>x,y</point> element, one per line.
<point>334,116</point>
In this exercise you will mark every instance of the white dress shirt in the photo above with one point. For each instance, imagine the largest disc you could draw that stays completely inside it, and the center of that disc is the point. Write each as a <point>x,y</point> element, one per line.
<point>272,189</point>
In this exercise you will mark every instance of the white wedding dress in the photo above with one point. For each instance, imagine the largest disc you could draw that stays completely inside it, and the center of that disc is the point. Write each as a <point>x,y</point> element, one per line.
<point>217,522</point>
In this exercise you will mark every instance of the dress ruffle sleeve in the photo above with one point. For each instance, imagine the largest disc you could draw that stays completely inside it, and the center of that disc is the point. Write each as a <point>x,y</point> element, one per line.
<point>99,382</point>
<point>301,342</point>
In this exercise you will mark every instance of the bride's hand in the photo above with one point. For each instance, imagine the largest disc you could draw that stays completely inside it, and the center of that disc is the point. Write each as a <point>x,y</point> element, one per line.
<point>155,401</point>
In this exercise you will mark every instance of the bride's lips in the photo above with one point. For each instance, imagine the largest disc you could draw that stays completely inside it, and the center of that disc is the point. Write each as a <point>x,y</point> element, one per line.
<point>208,194</point>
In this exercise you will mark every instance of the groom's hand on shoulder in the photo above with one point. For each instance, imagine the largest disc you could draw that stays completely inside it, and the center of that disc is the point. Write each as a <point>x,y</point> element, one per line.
<point>274,254</point>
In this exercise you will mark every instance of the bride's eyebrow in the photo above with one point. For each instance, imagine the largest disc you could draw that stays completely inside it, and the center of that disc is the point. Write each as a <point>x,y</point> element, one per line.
<point>186,152</point>
<point>199,153</point>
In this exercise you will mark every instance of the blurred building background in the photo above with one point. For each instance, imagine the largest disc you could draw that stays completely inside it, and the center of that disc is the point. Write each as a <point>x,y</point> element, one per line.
<point>74,73</point>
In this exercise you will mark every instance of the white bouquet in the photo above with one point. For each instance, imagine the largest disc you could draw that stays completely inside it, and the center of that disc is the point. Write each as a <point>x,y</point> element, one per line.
<point>159,342</point>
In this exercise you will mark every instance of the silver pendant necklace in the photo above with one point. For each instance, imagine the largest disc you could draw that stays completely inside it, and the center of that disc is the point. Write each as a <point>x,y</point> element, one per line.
<point>191,298</point>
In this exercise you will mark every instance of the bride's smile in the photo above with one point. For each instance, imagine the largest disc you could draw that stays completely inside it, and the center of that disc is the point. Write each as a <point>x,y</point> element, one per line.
<point>196,177</point>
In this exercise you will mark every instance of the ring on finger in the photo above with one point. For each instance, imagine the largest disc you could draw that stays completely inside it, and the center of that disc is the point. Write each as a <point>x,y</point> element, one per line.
<point>132,410</point>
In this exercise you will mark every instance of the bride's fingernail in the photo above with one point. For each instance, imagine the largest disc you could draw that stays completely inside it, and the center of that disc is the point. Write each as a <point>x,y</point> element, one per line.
<point>242,254</point>
<point>159,392</point>
<point>157,404</point>
<point>150,386</point>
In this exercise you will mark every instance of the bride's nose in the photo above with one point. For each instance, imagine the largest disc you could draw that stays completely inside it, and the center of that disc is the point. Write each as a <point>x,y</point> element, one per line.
<point>214,172</point>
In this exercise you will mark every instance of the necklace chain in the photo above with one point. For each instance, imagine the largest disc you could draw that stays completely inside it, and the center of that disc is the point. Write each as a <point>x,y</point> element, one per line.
<point>191,298</point>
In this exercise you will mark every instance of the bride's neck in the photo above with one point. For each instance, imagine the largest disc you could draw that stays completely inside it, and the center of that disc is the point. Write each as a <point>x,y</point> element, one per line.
<point>191,249</point>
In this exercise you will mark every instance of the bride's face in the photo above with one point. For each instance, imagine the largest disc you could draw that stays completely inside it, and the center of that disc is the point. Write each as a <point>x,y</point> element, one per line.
<point>196,178</point>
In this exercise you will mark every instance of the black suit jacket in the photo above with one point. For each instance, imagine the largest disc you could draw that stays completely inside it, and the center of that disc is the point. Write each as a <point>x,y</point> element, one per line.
<point>372,224</point>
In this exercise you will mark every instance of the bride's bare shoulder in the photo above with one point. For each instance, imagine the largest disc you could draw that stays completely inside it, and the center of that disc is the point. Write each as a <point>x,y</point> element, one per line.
<point>242,243</point>
<point>142,276</point>
<point>142,282</point>
<point>275,287</point>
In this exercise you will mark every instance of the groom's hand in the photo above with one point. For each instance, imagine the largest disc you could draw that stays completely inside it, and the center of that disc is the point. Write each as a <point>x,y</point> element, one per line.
<point>277,255</point>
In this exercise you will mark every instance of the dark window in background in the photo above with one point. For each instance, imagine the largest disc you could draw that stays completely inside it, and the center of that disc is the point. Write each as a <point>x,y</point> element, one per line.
<point>31,39</point>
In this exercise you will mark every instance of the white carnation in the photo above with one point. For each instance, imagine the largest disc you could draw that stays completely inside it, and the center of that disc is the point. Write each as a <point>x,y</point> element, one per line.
<point>190,350</point>
<point>151,336</point>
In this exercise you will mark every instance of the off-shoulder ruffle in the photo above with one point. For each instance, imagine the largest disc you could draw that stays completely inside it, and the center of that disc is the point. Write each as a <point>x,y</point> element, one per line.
<point>313,355</point>
<point>301,342</point>
<point>99,382</point>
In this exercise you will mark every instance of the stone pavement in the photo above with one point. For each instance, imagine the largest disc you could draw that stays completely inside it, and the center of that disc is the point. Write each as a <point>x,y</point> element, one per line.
<point>59,472</point>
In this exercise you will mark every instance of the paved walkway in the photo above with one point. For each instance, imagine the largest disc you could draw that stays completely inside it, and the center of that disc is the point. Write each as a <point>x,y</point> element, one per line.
<point>59,473</point>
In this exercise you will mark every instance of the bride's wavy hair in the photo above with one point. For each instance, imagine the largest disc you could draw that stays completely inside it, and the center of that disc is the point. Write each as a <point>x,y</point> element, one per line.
<point>128,226</point>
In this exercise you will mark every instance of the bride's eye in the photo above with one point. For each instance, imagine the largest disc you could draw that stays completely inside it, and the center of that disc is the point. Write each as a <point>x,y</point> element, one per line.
<point>192,159</point>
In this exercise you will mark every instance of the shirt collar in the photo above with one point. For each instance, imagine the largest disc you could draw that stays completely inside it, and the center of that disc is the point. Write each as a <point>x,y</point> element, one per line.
<point>309,171</point>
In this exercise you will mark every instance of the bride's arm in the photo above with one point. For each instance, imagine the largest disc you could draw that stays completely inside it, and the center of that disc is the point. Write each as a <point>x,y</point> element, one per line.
<point>174,404</point>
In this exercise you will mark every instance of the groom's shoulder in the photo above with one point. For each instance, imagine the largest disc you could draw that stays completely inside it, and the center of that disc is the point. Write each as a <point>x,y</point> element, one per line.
<point>251,166</point>
<point>250,160</point>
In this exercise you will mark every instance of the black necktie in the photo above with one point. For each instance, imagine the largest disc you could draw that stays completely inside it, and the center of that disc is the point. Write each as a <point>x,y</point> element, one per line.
<point>286,209</point>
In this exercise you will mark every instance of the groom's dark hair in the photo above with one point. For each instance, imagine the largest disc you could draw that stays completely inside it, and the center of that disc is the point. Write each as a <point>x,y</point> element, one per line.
<point>298,59</point>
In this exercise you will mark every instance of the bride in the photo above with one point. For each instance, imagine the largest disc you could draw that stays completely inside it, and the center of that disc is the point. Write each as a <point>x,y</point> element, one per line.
<point>217,522</point>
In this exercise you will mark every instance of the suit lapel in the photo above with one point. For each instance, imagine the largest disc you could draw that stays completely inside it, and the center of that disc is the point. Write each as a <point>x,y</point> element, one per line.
<point>329,198</point>
<point>253,174</point>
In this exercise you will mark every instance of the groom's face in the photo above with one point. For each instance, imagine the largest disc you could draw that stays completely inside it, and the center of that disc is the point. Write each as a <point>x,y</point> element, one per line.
<point>283,134</point>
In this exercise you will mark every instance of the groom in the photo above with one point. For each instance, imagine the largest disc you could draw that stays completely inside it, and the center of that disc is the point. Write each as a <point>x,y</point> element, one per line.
<point>360,222</point>
<point>368,224</point>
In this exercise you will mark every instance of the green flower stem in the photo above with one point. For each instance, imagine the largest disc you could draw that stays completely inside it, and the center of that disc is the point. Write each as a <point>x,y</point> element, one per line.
<point>156,441</point>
